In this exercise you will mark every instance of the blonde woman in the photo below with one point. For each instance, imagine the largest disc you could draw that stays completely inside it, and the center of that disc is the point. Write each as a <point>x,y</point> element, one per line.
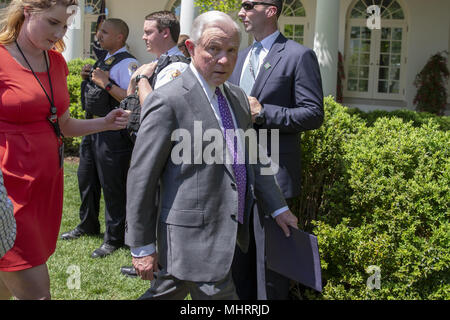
<point>34,116</point>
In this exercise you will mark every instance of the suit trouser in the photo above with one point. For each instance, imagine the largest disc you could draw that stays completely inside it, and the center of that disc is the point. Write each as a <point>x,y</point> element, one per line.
<point>104,160</point>
<point>167,287</point>
<point>252,278</point>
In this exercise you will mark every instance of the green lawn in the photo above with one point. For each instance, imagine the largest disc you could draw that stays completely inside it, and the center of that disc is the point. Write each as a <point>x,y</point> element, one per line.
<point>99,278</point>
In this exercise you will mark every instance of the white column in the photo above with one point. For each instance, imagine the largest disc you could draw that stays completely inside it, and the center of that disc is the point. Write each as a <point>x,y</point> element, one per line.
<point>74,38</point>
<point>187,16</point>
<point>326,42</point>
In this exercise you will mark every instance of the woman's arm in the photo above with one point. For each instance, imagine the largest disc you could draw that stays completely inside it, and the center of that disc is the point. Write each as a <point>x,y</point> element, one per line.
<point>115,120</point>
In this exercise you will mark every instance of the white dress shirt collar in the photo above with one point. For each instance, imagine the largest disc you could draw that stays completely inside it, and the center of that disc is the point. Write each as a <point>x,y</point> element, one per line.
<point>174,51</point>
<point>123,49</point>
<point>268,41</point>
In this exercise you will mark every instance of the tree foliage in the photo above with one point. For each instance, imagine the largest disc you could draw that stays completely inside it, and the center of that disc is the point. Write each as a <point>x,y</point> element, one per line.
<point>230,6</point>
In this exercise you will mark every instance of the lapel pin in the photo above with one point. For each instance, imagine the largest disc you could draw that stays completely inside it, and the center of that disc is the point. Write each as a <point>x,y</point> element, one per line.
<point>267,66</point>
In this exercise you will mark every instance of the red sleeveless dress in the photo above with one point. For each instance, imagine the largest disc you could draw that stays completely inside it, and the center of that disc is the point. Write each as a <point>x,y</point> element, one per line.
<point>29,157</point>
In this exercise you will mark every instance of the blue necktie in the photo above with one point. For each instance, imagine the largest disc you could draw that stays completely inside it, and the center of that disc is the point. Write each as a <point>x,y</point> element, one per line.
<point>238,166</point>
<point>251,71</point>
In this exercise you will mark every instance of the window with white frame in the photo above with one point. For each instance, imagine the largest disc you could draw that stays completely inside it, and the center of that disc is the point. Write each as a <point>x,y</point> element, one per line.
<point>4,3</point>
<point>376,58</point>
<point>293,20</point>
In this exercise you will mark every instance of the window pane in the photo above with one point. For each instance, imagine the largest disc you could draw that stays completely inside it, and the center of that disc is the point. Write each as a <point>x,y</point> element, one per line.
<point>354,45</point>
<point>384,60</point>
<point>365,33</point>
<point>353,72</point>
<point>288,31</point>
<point>398,15</point>
<point>361,6</point>
<point>395,60</point>
<point>383,74</point>
<point>365,46</point>
<point>352,85</point>
<point>357,14</point>
<point>299,30</point>
<point>385,46</point>
<point>365,59</point>
<point>396,47</point>
<point>363,86</point>
<point>394,87</point>
<point>386,3</point>
<point>355,33</point>
<point>382,86</point>
<point>354,59</point>
<point>364,72</point>
<point>395,74</point>
<point>397,34</point>
<point>386,33</point>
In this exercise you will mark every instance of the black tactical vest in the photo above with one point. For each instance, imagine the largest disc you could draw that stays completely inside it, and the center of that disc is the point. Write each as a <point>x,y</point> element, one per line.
<point>131,102</point>
<point>94,99</point>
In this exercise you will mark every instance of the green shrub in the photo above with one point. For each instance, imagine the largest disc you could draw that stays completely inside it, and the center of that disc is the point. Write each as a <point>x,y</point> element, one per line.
<point>383,202</point>
<point>72,144</point>
<point>418,118</point>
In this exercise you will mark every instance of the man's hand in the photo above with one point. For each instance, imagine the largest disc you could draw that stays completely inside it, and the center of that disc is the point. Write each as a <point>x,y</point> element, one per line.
<point>85,71</point>
<point>146,266</point>
<point>145,69</point>
<point>286,219</point>
<point>255,107</point>
<point>100,77</point>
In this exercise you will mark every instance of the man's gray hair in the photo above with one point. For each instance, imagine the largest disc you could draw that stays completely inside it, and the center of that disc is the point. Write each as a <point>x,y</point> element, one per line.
<point>211,18</point>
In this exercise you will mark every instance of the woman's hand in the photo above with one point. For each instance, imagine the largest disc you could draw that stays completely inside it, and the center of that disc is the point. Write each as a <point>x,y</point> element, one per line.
<point>116,119</point>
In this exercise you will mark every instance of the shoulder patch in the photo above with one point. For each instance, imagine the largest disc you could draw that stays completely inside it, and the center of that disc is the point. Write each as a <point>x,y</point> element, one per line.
<point>175,74</point>
<point>132,67</point>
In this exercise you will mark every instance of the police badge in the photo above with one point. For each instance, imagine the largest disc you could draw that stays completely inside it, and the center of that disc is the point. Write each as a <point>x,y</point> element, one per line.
<point>110,60</point>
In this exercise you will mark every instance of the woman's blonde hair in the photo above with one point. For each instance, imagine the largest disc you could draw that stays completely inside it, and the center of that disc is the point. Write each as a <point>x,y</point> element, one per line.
<point>12,17</point>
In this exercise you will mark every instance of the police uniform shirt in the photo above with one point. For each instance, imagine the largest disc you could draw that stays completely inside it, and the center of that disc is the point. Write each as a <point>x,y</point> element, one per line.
<point>121,73</point>
<point>172,71</point>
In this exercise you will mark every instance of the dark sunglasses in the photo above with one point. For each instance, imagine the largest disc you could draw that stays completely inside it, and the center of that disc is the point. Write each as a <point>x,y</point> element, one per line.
<point>250,5</point>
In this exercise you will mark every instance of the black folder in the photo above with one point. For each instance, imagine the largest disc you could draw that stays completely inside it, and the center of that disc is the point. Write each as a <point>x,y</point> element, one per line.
<point>296,257</point>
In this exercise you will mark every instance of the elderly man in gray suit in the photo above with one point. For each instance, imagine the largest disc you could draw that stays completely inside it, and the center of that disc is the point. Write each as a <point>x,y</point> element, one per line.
<point>204,208</point>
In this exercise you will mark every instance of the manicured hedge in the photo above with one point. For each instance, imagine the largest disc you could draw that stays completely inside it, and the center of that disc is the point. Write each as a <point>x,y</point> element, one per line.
<point>376,193</point>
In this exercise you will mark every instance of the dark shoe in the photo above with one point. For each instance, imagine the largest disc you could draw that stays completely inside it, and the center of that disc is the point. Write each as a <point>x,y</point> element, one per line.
<point>128,271</point>
<point>73,234</point>
<point>104,250</point>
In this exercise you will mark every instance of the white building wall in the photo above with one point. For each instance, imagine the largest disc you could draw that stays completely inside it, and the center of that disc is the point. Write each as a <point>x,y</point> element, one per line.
<point>428,34</point>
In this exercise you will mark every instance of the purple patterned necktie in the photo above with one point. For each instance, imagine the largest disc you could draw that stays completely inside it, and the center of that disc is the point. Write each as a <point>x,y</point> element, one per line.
<point>238,166</point>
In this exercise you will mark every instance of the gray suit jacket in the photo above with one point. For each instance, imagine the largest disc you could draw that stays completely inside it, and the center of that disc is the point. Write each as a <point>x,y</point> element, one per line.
<point>196,226</point>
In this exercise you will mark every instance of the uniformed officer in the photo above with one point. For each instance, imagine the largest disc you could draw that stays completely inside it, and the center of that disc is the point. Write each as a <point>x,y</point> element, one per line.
<point>105,156</point>
<point>161,32</point>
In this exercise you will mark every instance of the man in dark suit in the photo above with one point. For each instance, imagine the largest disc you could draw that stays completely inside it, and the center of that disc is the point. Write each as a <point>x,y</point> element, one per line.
<point>282,80</point>
<point>204,207</point>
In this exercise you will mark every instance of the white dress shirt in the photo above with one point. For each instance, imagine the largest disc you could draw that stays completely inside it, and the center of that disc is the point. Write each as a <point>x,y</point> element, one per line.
<point>266,43</point>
